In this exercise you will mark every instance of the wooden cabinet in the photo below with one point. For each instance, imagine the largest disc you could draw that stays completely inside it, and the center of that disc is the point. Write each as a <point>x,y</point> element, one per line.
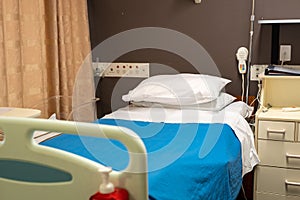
<point>277,140</point>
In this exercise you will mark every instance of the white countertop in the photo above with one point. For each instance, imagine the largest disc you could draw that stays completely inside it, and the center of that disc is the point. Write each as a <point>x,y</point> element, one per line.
<point>278,114</point>
<point>19,112</point>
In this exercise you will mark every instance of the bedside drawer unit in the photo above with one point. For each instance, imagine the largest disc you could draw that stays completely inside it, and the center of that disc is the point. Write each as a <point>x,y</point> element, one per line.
<point>277,139</point>
<point>279,154</point>
<point>276,130</point>
<point>278,181</point>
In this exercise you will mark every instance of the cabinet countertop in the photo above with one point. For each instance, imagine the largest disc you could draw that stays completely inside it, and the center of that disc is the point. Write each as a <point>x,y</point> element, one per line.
<point>278,114</point>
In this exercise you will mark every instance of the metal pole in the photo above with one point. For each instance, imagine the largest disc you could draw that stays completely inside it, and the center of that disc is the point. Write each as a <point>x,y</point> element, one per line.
<point>250,49</point>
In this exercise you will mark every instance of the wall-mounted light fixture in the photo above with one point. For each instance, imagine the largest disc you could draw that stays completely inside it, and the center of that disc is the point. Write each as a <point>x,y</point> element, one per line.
<point>197,1</point>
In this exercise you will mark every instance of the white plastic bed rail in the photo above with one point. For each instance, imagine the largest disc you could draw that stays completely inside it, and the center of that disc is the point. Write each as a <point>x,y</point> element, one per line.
<point>18,145</point>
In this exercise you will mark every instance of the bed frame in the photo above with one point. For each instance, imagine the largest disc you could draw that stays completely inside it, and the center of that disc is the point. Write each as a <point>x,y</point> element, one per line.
<point>81,176</point>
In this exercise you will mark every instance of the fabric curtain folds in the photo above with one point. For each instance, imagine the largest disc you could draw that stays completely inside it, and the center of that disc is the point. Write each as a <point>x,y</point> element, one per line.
<point>44,43</point>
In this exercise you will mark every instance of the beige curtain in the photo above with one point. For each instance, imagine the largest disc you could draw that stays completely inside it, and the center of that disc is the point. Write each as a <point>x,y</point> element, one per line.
<point>43,44</point>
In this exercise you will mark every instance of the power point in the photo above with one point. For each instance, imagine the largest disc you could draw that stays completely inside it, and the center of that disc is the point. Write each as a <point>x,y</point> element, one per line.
<point>285,53</point>
<point>256,70</point>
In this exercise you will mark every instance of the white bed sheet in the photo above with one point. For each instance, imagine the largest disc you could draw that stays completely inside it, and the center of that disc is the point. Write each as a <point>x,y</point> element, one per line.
<point>169,115</point>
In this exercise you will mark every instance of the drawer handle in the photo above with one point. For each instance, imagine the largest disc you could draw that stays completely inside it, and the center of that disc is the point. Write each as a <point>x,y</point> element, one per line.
<point>281,131</point>
<point>288,155</point>
<point>292,183</point>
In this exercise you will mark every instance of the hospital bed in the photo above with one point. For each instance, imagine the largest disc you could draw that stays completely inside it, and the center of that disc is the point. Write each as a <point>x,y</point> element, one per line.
<point>157,151</point>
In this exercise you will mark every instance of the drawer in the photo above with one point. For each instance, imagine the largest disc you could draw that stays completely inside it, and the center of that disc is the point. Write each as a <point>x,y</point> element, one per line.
<point>276,130</point>
<point>278,181</point>
<point>278,153</point>
<point>268,196</point>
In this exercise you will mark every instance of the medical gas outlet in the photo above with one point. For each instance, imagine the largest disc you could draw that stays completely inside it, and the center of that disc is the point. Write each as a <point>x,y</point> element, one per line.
<point>137,70</point>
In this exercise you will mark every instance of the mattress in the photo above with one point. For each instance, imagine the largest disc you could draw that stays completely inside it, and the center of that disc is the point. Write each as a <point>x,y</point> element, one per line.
<point>232,118</point>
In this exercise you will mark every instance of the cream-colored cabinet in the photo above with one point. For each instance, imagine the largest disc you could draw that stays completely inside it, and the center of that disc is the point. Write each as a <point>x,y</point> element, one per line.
<point>277,139</point>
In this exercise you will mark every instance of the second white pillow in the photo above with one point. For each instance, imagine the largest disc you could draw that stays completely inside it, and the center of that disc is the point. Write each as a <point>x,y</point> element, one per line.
<point>216,105</point>
<point>178,89</point>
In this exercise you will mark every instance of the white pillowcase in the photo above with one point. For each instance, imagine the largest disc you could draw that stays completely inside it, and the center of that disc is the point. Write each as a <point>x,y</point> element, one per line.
<point>178,89</point>
<point>240,107</point>
<point>215,105</point>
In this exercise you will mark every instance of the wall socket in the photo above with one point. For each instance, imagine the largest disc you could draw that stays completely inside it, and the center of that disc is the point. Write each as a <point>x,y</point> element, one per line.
<point>137,70</point>
<point>285,53</point>
<point>256,70</point>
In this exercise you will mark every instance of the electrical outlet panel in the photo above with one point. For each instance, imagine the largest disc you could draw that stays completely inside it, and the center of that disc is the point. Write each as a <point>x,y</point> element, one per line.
<point>256,70</point>
<point>285,53</point>
<point>137,70</point>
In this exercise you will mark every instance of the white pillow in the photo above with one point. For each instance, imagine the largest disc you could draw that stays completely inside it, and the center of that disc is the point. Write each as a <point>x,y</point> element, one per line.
<point>178,89</point>
<point>240,107</point>
<point>215,105</point>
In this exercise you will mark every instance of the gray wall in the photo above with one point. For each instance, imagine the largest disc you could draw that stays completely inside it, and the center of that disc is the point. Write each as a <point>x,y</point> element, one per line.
<point>289,33</point>
<point>221,27</point>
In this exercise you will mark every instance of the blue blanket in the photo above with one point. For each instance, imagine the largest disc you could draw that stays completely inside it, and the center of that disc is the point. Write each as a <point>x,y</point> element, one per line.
<point>185,161</point>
